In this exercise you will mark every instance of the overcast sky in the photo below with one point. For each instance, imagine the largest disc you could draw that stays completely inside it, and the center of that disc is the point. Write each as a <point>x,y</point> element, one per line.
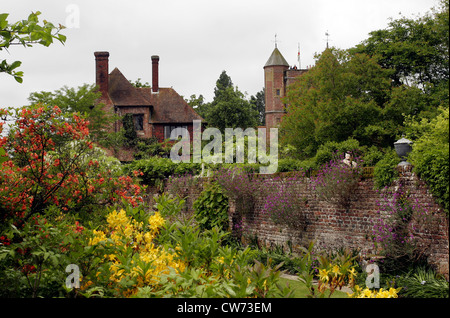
<point>195,39</point>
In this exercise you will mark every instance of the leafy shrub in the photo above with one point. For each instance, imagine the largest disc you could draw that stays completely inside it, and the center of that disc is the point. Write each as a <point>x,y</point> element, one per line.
<point>288,164</point>
<point>130,257</point>
<point>331,149</point>
<point>385,170</point>
<point>156,168</point>
<point>423,283</point>
<point>168,205</point>
<point>53,163</point>
<point>337,182</point>
<point>393,230</point>
<point>211,208</point>
<point>430,155</point>
<point>239,186</point>
<point>213,270</point>
<point>33,257</point>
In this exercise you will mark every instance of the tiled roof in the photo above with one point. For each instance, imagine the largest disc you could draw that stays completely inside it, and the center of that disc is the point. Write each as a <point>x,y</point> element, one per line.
<point>168,106</point>
<point>276,58</point>
<point>123,93</point>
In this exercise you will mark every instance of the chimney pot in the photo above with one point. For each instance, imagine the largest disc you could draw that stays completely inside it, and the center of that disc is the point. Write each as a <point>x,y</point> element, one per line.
<point>155,73</point>
<point>101,71</point>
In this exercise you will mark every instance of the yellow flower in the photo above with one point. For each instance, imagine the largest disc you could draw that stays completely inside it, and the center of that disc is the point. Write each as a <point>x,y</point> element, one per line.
<point>99,236</point>
<point>393,292</point>
<point>116,219</point>
<point>352,272</point>
<point>367,293</point>
<point>323,275</point>
<point>156,221</point>
<point>335,270</point>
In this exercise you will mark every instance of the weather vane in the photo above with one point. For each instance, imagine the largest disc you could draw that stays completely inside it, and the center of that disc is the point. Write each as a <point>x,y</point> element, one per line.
<point>327,35</point>
<point>276,41</point>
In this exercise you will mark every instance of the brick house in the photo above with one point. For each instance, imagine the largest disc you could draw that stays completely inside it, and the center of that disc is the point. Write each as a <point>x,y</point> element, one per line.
<point>156,110</point>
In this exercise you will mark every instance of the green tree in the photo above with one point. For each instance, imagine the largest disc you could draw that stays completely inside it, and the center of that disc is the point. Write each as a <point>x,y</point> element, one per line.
<point>139,84</point>
<point>416,49</point>
<point>26,33</point>
<point>259,104</point>
<point>340,98</point>
<point>229,109</point>
<point>198,104</point>
<point>83,100</point>
<point>430,154</point>
<point>417,53</point>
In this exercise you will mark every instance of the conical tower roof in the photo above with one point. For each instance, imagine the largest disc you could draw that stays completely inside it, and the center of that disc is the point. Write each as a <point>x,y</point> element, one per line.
<point>276,59</point>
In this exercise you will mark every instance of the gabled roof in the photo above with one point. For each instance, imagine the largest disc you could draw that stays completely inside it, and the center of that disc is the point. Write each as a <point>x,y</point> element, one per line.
<point>123,93</point>
<point>276,58</point>
<point>168,106</point>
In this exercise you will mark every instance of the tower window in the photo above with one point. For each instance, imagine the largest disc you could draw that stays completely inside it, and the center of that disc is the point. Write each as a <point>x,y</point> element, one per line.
<point>278,92</point>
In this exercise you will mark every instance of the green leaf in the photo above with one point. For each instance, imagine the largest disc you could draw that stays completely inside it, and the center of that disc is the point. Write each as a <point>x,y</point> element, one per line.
<point>16,64</point>
<point>3,22</point>
<point>19,79</point>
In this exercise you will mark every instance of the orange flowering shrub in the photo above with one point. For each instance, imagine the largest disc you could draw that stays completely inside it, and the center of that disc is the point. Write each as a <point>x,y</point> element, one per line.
<point>48,160</point>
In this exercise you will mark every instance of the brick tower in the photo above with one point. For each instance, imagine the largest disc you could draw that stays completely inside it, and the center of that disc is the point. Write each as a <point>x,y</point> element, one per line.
<point>274,82</point>
<point>277,78</point>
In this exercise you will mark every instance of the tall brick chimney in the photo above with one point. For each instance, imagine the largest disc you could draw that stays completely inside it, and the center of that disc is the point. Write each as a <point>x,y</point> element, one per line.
<point>101,71</point>
<point>155,84</point>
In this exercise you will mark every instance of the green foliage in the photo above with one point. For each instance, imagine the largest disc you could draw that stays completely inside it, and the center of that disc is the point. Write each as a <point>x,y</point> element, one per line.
<point>83,100</point>
<point>168,205</point>
<point>340,98</point>
<point>214,270</point>
<point>430,154</point>
<point>26,32</point>
<point>385,170</point>
<point>32,263</point>
<point>423,283</point>
<point>211,208</point>
<point>415,49</point>
<point>259,104</point>
<point>157,168</point>
<point>150,147</point>
<point>129,131</point>
<point>229,109</point>
<point>331,149</point>
<point>366,92</point>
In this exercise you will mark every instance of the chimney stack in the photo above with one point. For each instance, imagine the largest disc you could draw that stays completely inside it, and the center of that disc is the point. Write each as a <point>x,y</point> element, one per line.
<point>155,64</point>
<point>101,71</point>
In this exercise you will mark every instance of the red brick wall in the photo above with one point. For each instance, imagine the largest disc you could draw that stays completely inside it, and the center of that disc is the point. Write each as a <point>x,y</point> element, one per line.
<point>332,228</point>
<point>148,131</point>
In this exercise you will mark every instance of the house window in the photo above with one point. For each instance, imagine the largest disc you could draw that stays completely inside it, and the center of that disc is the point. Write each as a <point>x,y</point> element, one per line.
<point>138,120</point>
<point>278,92</point>
<point>179,131</point>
